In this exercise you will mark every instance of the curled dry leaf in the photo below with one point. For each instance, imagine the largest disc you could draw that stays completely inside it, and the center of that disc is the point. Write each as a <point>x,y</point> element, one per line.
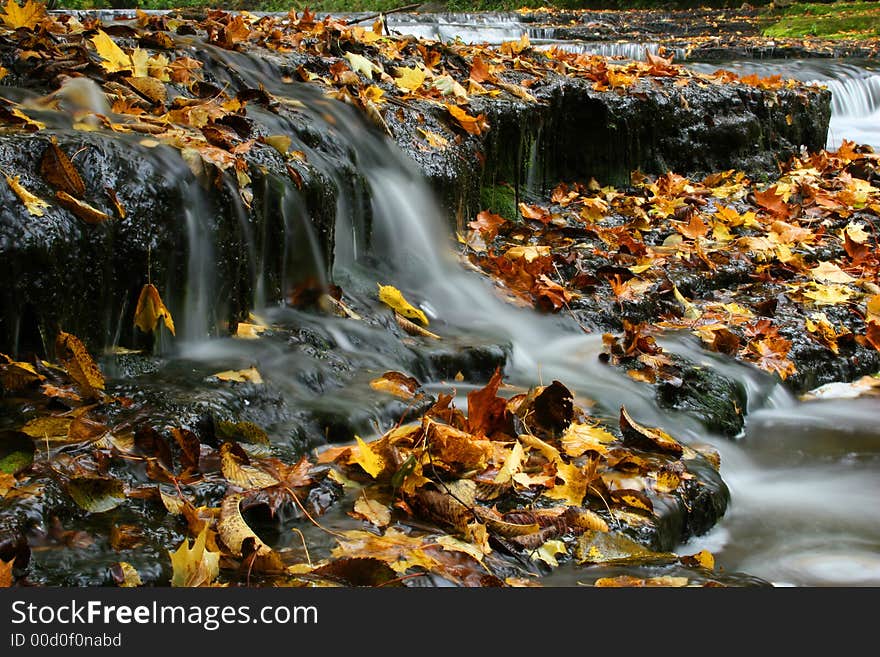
<point>235,532</point>
<point>397,384</point>
<point>75,358</point>
<point>651,439</point>
<point>150,309</point>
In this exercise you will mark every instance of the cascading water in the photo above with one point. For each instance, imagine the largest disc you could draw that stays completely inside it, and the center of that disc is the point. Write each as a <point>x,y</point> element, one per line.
<point>802,476</point>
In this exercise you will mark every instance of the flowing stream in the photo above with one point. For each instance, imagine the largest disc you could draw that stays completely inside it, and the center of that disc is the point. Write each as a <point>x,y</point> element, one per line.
<point>803,476</point>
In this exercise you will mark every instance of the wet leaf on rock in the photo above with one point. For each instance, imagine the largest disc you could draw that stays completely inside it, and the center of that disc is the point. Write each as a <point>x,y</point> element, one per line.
<point>250,375</point>
<point>33,204</point>
<point>57,169</point>
<point>236,467</point>
<point>394,299</point>
<point>650,439</point>
<point>88,213</point>
<point>96,494</point>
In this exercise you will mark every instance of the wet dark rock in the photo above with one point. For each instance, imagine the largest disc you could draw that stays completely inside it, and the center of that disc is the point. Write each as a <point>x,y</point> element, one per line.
<point>715,400</point>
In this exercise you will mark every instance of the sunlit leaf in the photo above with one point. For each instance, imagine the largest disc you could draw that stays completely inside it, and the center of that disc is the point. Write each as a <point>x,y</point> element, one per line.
<point>113,58</point>
<point>27,15</point>
<point>392,297</point>
<point>32,203</point>
<point>96,494</point>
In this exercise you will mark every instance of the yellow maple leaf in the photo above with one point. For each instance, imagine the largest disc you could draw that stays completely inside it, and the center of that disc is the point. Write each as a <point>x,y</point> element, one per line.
<point>33,203</point>
<point>392,297</point>
<point>194,566</point>
<point>151,308</point>
<point>828,295</point>
<point>828,272</point>
<point>409,79</point>
<point>114,59</point>
<point>371,462</point>
<point>27,15</point>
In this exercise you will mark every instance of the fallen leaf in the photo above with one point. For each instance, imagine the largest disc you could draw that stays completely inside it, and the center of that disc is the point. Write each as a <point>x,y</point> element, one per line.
<point>372,511</point>
<point>28,15</point>
<point>828,272</point>
<point>96,494</point>
<point>235,532</point>
<point>409,79</point>
<point>59,171</point>
<point>112,56</point>
<point>393,298</point>
<point>652,439</point>
<point>195,566</point>
<point>236,467</point>
<point>32,203</point>
<point>362,65</point>
<point>125,575</point>
<point>150,309</point>
<point>83,210</point>
<point>364,456</point>
<point>6,578</point>
<point>250,375</point>
<point>397,384</point>
<point>475,125</point>
<point>75,358</point>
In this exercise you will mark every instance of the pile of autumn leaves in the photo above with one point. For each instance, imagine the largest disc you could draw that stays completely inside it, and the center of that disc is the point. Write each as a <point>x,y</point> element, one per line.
<point>807,243</point>
<point>460,496</point>
<point>157,89</point>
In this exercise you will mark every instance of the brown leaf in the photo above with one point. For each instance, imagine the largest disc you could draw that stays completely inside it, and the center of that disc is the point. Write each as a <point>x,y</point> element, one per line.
<point>150,88</point>
<point>190,447</point>
<point>486,411</point>
<point>6,578</point>
<point>397,384</point>
<point>86,212</point>
<point>359,571</point>
<point>59,171</point>
<point>79,365</point>
<point>651,439</point>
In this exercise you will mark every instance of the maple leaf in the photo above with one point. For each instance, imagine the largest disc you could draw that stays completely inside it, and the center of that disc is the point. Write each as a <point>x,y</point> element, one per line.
<point>112,56</point>
<point>770,355</point>
<point>27,15</point>
<point>372,463</point>
<point>32,203</point>
<point>409,79</point>
<point>487,224</point>
<point>393,298</point>
<point>150,309</point>
<point>773,202</point>
<point>486,411</point>
<point>480,70</point>
<point>475,125</point>
<point>195,566</point>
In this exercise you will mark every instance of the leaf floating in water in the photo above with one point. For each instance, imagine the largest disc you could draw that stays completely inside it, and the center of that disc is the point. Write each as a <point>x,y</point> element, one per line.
<point>96,494</point>
<point>33,204</point>
<point>59,171</point>
<point>250,375</point>
<point>79,365</point>
<point>236,467</point>
<point>125,575</point>
<point>16,452</point>
<point>397,384</point>
<point>630,581</point>
<point>150,309</point>
<point>196,566</point>
<point>393,298</point>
